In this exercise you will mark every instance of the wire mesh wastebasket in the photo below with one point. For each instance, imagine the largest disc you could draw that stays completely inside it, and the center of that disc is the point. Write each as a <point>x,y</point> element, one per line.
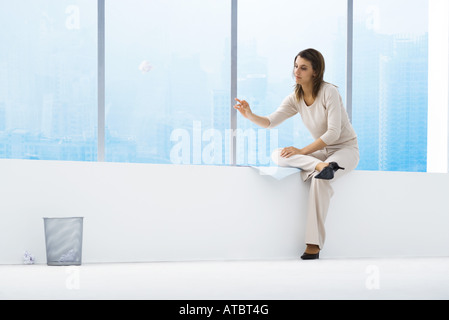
<point>63,240</point>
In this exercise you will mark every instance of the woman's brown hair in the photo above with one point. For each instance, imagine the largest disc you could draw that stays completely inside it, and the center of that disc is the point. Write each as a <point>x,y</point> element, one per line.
<point>318,65</point>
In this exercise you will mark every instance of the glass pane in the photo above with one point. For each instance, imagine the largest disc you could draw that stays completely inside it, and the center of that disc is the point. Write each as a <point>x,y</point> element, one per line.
<point>167,80</point>
<point>270,35</point>
<point>48,79</point>
<point>390,84</point>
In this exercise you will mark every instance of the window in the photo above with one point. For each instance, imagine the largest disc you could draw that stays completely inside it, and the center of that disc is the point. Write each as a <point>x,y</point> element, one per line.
<point>48,80</point>
<point>270,35</point>
<point>167,80</point>
<point>390,84</point>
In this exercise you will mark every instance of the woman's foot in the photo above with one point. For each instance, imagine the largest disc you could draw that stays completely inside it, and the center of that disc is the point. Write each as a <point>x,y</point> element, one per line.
<point>327,173</point>
<point>312,252</point>
<point>312,249</point>
<point>320,166</point>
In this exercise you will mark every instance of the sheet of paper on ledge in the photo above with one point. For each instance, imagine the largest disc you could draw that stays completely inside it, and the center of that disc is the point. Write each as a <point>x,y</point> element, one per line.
<point>278,173</point>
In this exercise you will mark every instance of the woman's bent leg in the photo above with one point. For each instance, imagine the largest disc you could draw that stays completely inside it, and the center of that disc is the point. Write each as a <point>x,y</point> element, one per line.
<point>307,163</point>
<point>347,158</point>
<point>321,191</point>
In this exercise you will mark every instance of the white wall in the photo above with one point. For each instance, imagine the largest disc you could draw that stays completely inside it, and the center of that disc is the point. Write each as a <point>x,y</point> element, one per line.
<point>438,87</point>
<point>148,212</point>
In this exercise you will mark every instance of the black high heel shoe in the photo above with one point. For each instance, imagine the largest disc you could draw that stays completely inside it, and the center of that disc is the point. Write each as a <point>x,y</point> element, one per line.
<point>328,172</point>
<point>310,256</point>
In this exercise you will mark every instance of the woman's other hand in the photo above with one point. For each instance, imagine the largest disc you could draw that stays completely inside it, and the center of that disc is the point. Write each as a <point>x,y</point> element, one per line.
<point>290,151</point>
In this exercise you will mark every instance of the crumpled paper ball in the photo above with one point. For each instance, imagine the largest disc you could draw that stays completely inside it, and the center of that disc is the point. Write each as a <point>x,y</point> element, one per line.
<point>145,66</point>
<point>28,258</point>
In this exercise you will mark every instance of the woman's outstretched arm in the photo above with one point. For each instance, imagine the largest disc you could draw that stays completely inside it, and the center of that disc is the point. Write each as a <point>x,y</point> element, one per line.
<point>261,121</point>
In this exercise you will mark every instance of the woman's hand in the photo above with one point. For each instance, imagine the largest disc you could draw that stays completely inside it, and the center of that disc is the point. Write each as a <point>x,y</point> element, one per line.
<point>290,151</point>
<point>244,108</point>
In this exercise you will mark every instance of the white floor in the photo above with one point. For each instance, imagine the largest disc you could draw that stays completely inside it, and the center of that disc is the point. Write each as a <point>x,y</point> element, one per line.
<point>423,278</point>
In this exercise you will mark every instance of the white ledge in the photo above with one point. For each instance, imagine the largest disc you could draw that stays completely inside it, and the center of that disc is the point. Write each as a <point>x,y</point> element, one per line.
<point>152,212</point>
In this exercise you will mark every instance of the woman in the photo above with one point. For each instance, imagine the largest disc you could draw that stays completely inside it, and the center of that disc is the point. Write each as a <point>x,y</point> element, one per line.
<point>321,108</point>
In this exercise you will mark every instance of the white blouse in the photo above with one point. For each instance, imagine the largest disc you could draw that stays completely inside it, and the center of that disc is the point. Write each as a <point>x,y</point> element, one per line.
<point>326,118</point>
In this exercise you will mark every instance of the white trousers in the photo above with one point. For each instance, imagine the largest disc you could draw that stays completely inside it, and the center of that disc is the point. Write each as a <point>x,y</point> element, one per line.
<point>321,191</point>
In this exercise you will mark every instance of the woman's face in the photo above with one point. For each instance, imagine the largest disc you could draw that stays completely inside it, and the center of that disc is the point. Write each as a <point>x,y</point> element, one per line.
<point>303,71</point>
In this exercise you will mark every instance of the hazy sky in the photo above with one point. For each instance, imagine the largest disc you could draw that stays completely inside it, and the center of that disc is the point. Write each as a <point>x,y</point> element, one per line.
<point>394,16</point>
